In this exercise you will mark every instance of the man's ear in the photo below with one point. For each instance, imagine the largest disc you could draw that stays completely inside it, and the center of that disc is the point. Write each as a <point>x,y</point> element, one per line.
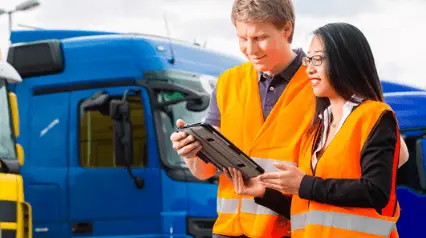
<point>287,29</point>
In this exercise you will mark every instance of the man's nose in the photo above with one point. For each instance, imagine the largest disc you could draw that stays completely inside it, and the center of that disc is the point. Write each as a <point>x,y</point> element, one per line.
<point>252,47</point>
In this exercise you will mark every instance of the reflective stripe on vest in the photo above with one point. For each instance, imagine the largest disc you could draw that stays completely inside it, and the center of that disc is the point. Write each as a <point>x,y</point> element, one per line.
<point>227,205</point>
<point>248,205</point>
<point>350,222</point>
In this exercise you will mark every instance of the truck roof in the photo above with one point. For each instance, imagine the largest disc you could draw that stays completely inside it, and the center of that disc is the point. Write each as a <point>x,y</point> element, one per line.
<point>91,56</point>
<point>409,108</point>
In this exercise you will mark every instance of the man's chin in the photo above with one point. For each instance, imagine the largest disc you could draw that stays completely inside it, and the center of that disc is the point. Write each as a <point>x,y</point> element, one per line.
<point>261,67</point>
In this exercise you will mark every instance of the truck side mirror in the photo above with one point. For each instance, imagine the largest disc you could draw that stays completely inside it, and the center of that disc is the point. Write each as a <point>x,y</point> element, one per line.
<point>122,132</point>
<point>119,111</point>
<point>421,162</point>
<point>123,136</point>
<point>99,102</point>
<point>198,105</point>
<point>195,101</point>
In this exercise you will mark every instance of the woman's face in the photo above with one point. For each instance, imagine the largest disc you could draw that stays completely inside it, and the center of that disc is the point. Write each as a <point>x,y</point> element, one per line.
<point>316,62</point>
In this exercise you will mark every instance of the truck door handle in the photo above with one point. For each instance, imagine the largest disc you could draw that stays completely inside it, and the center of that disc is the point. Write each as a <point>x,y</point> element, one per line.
<point>82,228</point>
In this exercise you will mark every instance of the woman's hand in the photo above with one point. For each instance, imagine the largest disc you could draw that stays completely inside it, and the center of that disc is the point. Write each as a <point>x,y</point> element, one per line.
<point>251,187</point>
<point>286,181</point>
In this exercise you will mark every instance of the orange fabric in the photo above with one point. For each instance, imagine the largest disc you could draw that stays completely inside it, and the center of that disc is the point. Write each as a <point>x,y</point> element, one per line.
<point>341,159</point>
<point>277,138</point>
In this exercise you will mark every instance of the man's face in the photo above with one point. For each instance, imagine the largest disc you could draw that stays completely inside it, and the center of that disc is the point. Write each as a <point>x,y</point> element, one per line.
<point>263,44</point>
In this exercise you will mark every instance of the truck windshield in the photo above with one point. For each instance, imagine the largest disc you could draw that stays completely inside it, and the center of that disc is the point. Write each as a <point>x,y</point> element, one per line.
<point>169,114</point>
<point>7,141</point>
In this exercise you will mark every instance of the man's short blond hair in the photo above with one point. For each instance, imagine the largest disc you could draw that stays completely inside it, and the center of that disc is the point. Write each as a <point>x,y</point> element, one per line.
<point>278,12</point>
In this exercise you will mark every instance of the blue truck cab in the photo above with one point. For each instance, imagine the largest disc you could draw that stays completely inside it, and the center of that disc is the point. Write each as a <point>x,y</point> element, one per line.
<point>99,109</point>
<point>97,112</point>
<point>409,107</point>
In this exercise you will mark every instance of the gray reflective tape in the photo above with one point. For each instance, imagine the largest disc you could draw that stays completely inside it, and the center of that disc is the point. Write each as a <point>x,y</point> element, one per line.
<point>349,222</point>
<point>298,221</point>
<point>249,206</point>
<point>227,205</point>
<point>268,164</point>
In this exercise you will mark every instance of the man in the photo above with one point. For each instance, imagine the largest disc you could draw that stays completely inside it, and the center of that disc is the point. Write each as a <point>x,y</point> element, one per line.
<point>263,106</point>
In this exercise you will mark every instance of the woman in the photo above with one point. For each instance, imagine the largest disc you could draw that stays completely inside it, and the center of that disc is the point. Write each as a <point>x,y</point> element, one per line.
<point>344,185</point>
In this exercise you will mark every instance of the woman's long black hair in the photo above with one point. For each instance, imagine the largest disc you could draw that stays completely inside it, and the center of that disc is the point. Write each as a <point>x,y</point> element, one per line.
<point>351,67</point>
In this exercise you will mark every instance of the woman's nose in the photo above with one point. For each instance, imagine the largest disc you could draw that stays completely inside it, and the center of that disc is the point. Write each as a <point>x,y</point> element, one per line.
<point>310,69</point>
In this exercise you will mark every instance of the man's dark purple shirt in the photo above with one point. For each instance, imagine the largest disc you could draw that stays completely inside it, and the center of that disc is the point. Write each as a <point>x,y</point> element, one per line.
<point>270,89</point>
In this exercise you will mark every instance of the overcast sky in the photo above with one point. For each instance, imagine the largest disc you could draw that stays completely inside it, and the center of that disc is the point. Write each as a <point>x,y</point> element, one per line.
<point>394,28</point>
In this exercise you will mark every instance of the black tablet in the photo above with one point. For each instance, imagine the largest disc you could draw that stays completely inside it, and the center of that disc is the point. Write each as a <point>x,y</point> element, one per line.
<point>220,151</point>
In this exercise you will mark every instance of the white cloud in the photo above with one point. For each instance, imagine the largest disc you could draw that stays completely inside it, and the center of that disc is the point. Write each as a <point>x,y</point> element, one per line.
<point>341,8</point>
<point>394,32</point>
<point>395,35</point>
<point>187,19</point>
<point>393,27</point>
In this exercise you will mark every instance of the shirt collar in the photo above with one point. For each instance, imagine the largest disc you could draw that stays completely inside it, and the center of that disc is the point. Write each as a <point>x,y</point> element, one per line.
<point>348,106</point>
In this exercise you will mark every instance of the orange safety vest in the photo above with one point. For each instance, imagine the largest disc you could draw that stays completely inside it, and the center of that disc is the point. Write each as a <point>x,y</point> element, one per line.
<point>342,160</point>
<point>275,140</point>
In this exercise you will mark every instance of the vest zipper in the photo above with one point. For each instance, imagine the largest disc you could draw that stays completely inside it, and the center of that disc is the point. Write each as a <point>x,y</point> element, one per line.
<point>310,162</point>
<point>313,174</point>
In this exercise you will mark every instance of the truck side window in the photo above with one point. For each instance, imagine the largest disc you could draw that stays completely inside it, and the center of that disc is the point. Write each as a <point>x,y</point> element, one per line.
<point>408,175</point>
<point>96,137</point>
<point>7,147</point>
<point>169,115</point>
